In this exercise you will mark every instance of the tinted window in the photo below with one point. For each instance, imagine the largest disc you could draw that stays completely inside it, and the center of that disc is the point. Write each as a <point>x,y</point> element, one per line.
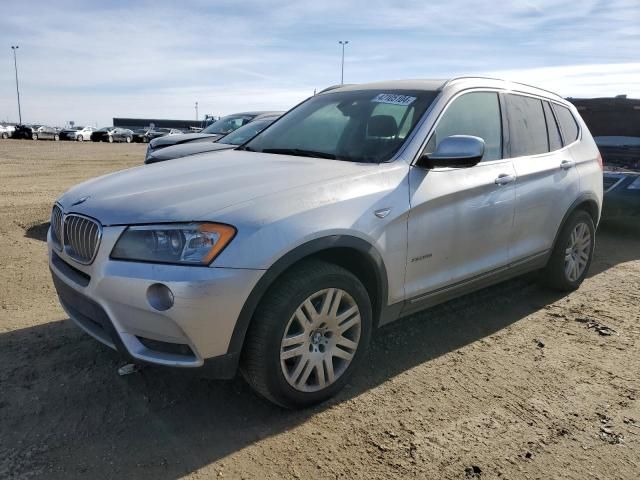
<point>567,124</point>
<point>527,127</point>
<point>555,141</point>
<point>476,114</point>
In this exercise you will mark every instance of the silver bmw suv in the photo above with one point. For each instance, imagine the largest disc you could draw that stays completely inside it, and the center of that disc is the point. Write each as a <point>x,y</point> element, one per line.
<point>361,205</point>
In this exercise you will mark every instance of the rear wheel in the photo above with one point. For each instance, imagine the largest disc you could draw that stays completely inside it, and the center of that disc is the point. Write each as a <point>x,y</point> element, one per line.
<point>110,139</point>
<point>34,136</point>
<point>308,335</point>
<point>572,254</point>
<point>5,135</point>
<point>128,139</point>
<point>79,138</point>
<point>56,138</point>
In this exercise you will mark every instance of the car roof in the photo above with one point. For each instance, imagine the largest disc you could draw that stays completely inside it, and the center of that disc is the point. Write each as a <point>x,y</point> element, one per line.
<point>442,84</point>
<point>254,114</point>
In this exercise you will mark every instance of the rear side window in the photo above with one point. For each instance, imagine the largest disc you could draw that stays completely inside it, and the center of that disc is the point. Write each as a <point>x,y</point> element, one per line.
<point>555,140</point>
<point>477,114</point>
<point>527,126</point>
<point>567,124</point>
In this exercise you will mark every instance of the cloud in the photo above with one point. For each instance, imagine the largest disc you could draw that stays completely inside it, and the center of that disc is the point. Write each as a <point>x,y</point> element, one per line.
<point>157,58</point>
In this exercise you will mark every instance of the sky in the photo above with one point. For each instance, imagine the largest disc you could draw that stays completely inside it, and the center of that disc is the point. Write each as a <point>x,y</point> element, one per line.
<point>92,61</point>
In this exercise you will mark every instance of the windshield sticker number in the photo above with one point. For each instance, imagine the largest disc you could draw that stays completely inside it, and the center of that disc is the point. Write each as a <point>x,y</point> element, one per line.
<point>394,99</point>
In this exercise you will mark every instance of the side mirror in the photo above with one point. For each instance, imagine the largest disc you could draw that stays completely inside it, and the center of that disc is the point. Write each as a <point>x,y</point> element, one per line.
<point>456,151</point>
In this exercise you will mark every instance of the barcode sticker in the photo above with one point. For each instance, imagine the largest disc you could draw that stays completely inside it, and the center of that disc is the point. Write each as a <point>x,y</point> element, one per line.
<point>394,99</point>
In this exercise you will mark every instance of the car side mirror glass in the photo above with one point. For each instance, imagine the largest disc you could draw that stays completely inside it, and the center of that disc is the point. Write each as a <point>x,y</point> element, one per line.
<point>456,151</point>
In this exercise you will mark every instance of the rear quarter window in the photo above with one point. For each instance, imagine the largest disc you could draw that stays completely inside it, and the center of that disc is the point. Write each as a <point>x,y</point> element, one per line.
<point>568,124</point>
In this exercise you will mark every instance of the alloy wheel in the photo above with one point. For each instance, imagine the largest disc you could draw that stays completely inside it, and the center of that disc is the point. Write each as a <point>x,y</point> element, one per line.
<point>577,252</point>
<point>320,340</point>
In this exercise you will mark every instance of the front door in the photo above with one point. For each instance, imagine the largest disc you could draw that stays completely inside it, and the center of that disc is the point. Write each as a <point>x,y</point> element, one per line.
<point>461,220</point>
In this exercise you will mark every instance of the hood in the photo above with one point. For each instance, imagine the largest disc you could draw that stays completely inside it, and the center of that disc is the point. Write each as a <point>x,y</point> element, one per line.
<point>186,149</point>
<point>194,188</point>
<point>177,139</point>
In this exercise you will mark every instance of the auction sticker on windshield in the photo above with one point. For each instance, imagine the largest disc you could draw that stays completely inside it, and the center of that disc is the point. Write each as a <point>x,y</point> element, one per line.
<point>394,99</point>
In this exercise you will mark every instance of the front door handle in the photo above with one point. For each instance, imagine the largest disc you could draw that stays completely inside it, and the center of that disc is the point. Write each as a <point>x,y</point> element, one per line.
<point>567,164</point>
<point>505,178</point>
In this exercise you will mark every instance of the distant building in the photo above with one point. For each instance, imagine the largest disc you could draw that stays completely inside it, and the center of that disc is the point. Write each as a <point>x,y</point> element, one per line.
<point>135,123</point>
<point>610,116</point>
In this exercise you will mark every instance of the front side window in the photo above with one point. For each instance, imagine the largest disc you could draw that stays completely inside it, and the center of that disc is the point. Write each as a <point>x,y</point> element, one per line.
<point>358,126</point>
<point>227,124</point>
<point>476,114</point>
<point>567,124</point>
<point>527,126</point>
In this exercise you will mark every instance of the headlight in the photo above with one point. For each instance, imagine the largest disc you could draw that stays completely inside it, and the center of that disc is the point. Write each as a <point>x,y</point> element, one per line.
<point>635,185</point>
<point>191,244</point>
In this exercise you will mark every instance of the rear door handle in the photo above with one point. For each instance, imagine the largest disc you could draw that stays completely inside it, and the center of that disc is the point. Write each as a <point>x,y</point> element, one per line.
<point>505,178</point>
<point>567,164</point>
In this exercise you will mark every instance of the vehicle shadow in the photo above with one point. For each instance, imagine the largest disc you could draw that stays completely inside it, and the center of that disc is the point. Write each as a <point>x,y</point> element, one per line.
<point>65,412</point>
<point>38,231</point>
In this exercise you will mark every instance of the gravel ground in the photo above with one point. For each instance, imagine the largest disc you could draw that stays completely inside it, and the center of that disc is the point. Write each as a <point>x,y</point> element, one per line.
<point>511,382</point>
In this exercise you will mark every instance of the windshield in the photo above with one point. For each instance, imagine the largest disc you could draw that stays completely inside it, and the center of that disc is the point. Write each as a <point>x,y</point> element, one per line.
<point>246,133</point>
<point>105,129</point>
<point>357,126</point>
<point>227,124</point>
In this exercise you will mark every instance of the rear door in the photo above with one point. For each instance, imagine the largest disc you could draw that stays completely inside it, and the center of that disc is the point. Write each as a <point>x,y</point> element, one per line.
<point>548,181</point>
<point>460,221</point>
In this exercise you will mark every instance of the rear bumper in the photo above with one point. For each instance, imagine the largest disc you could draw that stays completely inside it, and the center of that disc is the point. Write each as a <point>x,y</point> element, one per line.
<point>109,301</point>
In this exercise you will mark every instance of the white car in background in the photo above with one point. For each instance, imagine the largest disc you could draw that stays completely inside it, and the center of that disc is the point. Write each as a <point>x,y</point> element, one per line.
<point>79,134</point>
<point>6,131</point>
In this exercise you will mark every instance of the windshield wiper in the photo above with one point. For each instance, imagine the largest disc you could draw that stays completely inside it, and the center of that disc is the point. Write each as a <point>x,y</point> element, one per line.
<point>300,153</point>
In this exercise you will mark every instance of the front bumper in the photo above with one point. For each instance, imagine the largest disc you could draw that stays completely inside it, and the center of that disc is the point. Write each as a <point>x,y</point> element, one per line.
<point>108,300</point>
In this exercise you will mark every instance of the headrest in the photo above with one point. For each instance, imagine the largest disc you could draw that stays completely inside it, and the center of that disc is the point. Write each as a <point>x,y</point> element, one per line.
<point>382,126</point>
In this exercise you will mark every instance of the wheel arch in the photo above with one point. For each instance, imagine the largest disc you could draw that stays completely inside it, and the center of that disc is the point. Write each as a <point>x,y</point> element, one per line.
<point>352,253</point>
<point>587,202</point>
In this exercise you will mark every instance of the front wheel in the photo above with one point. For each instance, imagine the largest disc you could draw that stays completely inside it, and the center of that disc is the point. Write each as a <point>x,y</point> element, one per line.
<point>308,335</point>
<point>56,138</point>
<point>34,136</point>
<point>571,257</point>
<point>80,138</point>
<point>110,139</point>
<point>128,139</point>
<point>5,135</point>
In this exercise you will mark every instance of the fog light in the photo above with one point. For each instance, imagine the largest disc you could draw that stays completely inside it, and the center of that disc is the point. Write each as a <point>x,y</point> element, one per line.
<point>160,297</point>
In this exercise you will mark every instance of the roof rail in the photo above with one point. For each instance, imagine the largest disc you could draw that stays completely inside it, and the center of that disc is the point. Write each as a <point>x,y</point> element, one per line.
<point>466,77</point>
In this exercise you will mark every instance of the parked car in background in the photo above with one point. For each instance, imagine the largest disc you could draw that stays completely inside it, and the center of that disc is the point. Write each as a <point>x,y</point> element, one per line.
<point>79,134</point>
<point>360,206</point>
<point>232,140</point>
<point>46,133</point>
<point>26,131</point>
<point>214,131</point>
<point>621,156</point>
<point>112,134</point>
<point>145,135</point>
<point>6,131</point>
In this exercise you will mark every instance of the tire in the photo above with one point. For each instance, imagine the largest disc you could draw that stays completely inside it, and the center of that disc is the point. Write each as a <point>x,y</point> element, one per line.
<point>316,357</point>
<point>145,139</point>
<point>110,139</point>
<point>567,269</point>
<point>56,138</point>
<point>5,135</point>
<point>128,139</point>
<point>79,138</point>
<point>34,136</point>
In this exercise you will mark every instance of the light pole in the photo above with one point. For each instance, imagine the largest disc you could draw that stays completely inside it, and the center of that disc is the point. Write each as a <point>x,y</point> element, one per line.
<point>196,111</point>
<point>343,43</point>
<point>15,64</point>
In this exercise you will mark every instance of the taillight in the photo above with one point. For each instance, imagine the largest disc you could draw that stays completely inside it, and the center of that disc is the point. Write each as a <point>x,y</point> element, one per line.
<point>600,161</point>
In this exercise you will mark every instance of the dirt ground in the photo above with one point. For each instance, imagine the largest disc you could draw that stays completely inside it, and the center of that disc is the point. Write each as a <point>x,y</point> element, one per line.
<point>511,382</point>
